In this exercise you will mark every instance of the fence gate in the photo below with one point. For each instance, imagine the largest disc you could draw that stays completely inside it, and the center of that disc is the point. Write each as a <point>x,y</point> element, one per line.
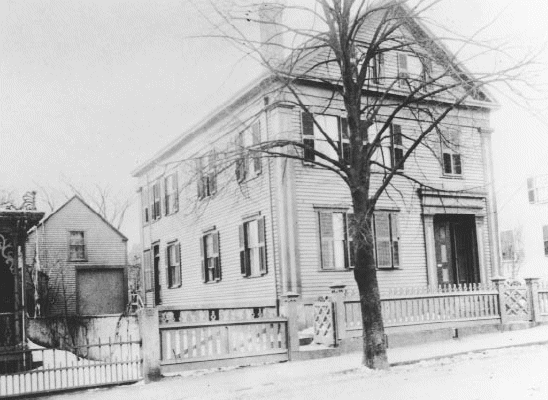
<point>324,325</point>
<point>516,302</point>
<point>38,370</point>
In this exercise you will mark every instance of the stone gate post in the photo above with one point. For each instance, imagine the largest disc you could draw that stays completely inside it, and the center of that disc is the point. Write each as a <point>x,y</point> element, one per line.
<point>149,327</point>
<point>290,311</point>
<point>499,285</point>
<point>337,294</point>
<point>532,292</point>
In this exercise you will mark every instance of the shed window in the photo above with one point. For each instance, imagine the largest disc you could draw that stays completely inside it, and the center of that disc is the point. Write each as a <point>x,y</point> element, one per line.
<point>77,246</point>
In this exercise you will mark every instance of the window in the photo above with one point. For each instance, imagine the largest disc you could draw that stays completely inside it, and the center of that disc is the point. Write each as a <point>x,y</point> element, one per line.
<point>147,268</point>
<point>507,245</point>
<point>207,175</point>
<point>412,68</point>
<point>545,239</point>
<point>171,186</point>
<point>253,248</point>
<point>451,153</point>
<point>403,72</point>
<point>173,261</point>
<point>156,201</point>
<point>314,136</point>
<point>377,68</point>
<point>537,188</point>
<point>145,203</point>
<point>249,140</point>
<point>77,246</point>
<point>387,251</point>
<point>337,251</point>
<point>397,146</point>
<point>211,257</point>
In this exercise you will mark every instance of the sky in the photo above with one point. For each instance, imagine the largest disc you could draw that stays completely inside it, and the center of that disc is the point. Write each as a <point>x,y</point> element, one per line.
<point>90,89</point>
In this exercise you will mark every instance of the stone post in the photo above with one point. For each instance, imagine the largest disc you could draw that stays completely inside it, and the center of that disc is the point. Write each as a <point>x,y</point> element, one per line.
<point>499,285</point>
<point>149,328</point>
<point>290,311</point>
<point>339,320</point>
<point>532,292</point>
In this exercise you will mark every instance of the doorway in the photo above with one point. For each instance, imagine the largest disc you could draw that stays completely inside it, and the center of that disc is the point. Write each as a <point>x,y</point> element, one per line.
<point>456,249</point>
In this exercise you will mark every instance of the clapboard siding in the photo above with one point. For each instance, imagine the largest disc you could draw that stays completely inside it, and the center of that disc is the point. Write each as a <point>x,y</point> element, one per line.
<point>104,247</point>
<point>224,211</point>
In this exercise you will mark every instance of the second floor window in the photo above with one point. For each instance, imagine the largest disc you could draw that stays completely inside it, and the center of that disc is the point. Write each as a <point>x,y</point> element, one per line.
<point>173,260</point>
<point>171,186</point>
<point>450,143</point>
<point>249,163</point>
<point>211,257</point>
<point>77,246</point>
<point>317,128</point>
<point>253,248</point>
<point>145,202</point>
<point>545,239</point>
<point>156,201</point>
<point>206,175</point>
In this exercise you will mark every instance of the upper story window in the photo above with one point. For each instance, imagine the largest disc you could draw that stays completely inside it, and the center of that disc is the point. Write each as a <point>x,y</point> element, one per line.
<point>77,246</point>
<point>336,240</point>
<point>248,164</point>
<point>450,143</point>
<point>376,69</point>
<point>145,203</point>
<point>156,210</point>
<point>171,188</point>
<point>253,247</point>
<point>317,128</point>
<point>537,188</point>
<point>507,245</point>
<point>211,256</point>
<point>206,173</point>
<point>413,70</point>
<point>173,260</point>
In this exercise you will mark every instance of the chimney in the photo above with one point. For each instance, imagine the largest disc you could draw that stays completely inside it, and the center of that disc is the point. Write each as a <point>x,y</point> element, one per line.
<point>271,20</point>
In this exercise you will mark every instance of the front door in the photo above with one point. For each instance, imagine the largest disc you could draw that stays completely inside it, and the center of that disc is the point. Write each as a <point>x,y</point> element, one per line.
<point>456,249</point>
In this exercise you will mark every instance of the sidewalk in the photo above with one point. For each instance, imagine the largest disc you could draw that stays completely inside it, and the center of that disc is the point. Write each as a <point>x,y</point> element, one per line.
<point>232,383</point>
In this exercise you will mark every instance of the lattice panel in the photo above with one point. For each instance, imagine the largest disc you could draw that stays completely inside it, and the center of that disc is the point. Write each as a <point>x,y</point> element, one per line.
<point>516,303</point>
<point>324,327</point>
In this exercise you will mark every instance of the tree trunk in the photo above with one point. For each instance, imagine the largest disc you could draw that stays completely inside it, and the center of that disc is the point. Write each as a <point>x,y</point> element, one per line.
<point>365,273</point>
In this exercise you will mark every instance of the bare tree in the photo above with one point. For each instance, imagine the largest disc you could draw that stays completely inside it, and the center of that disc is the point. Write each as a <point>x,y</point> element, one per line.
<point>346,59</point>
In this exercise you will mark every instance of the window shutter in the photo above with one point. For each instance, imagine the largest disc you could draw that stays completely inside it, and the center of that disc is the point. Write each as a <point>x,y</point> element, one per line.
<point>212,173</point>
<point>379,68</point>
<point>256,137</point>
<point>343,127</point>
<point>545,237</point>
<point>307,126</point>
<point>175,192</point>
<point>166,195</point>
<point>217,255</point>
<point>447,168</point>
<point>261,234</point>
<point>394,220</point>
<point>203,259</point>
<point>244,265</point>
<point>178,279</point>
<point>168,272</point>
<point>350,232</point>
<point>241,161</point>
<point>199,178</point>
<point>382,240</point>
<point>326,240</point>
<point>396,143</point>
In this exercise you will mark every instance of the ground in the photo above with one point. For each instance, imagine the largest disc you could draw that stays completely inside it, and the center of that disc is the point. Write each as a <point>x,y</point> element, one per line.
<point>509,373</point>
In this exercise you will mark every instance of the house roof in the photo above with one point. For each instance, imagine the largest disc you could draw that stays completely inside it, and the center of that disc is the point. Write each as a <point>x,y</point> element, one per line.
<point>267,77</point>
<point>78,198</point>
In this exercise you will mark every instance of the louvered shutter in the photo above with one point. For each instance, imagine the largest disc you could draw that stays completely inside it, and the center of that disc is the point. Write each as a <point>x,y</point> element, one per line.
<point>263,268</point>
<point>199,178</point>
<point>212,173</point>
<point>395,236</point>
<point>307,125</point>
<point>345,140</point>
<point>178,279</point>
<point>326,240</point>
<point>350,232</point>
<point>396,143</point>
<point>217,255</point>
<point>168,272</point>
<point>382,240</point>
<point>175,192</point>
<point>382,151</point>
<point>545,237</point>
<point>203,259</point>
<point>531,190</point>
<point>244,261</point>
<point>166,195</point>
<point>256,137</point>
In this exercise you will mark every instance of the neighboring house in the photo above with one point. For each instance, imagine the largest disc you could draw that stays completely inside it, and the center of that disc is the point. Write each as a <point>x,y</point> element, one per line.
<point>14,223</point>
<point>85,259</point>
<point>524,230</point>
<point>246,235</point>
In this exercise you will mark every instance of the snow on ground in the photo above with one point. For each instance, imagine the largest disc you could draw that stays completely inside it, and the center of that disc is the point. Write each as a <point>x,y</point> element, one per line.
<point>510,373</point>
